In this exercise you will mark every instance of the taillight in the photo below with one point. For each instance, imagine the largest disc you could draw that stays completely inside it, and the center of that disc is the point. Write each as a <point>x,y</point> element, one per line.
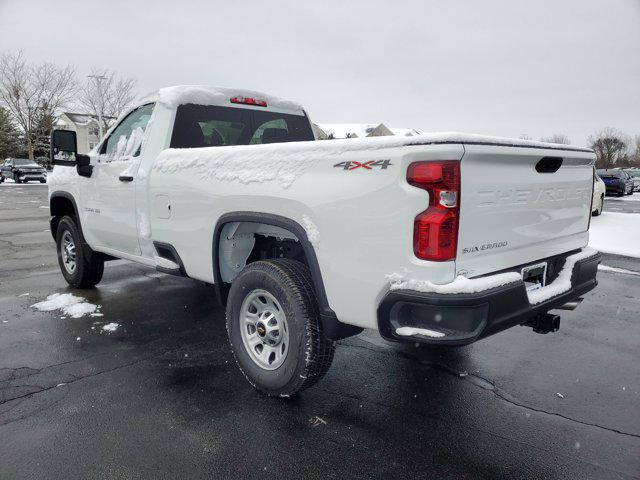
<point>249,101</point>
<point>435,231</point>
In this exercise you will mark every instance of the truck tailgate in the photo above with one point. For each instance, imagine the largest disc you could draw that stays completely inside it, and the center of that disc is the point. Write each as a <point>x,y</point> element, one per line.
<point>511,213</point>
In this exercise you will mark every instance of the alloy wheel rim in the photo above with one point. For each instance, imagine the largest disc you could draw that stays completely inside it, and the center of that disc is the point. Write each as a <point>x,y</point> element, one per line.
<point>264,329</point>
<point>68,252</point>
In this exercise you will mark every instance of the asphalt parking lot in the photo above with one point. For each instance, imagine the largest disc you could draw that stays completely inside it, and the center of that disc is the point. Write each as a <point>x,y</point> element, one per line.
<point>162,398</point>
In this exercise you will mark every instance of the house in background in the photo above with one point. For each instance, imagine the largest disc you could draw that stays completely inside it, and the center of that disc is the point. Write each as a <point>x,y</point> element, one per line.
<point>325,131</point>
<point>86,128</point>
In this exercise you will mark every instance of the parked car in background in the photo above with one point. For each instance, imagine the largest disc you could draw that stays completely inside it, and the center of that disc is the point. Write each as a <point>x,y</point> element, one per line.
<point>22,170</point>
<point>599,190</point>
<point>617,181</point>
<point>634,173</point>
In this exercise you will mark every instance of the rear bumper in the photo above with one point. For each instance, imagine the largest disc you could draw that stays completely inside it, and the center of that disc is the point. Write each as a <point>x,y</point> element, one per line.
<point>467,317</point>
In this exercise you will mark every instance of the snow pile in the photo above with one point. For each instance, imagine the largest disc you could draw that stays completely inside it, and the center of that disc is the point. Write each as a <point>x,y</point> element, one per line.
<point>313,234</point>
<point>607,268</point>
<point>362,130</point>
<point>425,332</point>
<point>110,327</point>
<point>67,303</point>
<point>459,285</point>
<point>562,283</point>
<point>208,95</point>
<point>617,233</point>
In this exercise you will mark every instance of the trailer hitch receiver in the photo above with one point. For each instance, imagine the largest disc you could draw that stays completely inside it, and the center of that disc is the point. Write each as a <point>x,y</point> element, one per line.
<point>544,323</point>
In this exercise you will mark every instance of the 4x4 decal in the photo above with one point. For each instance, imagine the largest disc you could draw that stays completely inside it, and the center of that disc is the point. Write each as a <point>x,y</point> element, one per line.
<point>370,165</point>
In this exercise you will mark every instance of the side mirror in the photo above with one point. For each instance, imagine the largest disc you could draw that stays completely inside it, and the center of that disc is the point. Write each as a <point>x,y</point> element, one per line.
<point>64,147</point>
<point>64,151</point>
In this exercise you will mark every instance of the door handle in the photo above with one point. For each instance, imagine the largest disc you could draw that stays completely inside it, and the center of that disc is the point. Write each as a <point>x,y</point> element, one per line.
<point>125,178</point>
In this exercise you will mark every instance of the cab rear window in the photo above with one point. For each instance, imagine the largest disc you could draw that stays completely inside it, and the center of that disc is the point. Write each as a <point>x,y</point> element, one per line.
<point>214,126</point>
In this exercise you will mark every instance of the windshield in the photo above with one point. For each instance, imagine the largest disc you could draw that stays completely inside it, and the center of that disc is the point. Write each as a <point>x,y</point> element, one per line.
<point>608,174</point>
<point>22,161</point>
<point>634,173</point>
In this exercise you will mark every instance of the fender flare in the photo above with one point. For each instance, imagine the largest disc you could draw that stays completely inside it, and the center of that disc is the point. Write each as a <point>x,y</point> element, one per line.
<point>86,248</point>
<point>68,196</point>
<point>333,328</point>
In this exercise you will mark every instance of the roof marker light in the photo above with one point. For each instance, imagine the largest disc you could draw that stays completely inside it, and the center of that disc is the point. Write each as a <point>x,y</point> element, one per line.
<point>249,101</point>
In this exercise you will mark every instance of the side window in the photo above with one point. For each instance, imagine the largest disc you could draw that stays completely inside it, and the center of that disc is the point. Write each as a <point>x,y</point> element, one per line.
<point>209,126</point>
<point>126,139</point>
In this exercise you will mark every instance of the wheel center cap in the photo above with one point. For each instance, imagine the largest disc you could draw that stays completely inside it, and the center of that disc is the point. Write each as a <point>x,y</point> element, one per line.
<point>261,329</point>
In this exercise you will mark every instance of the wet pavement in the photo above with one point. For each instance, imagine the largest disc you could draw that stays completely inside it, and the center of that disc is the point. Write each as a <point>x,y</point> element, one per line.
<point>161,396</point>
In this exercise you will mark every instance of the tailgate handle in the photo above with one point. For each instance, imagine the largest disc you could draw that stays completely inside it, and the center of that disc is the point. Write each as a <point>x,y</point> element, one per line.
<point>549,165</point>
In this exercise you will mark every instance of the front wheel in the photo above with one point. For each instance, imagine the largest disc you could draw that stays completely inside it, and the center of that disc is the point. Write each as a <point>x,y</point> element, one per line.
<point>274,327</point>
<point>80,267</point>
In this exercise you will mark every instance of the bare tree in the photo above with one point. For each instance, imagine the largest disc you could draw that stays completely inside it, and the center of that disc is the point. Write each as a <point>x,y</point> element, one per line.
<point>106,96</point>
<point>560,138</point>
<point>31,92</point>
<point>636,153</point>
<point>611,147</point>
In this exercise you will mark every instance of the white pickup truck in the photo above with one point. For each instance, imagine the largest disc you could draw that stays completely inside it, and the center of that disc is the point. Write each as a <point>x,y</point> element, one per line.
<point>438,238</point>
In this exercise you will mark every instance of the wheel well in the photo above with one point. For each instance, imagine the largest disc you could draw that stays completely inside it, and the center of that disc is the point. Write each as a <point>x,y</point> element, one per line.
<point>242,243</point>
<point>244,237</point>
<point>59,207</point>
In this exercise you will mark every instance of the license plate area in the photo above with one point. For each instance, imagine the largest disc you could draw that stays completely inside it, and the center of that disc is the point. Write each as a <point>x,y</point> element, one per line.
<point>534,276</point>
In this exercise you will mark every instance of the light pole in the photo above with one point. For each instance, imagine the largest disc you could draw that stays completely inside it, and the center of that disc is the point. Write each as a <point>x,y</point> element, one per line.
<point>99,79</point>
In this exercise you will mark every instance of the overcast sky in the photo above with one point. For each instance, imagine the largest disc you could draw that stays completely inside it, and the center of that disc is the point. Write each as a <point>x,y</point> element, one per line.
<point>499,67</point>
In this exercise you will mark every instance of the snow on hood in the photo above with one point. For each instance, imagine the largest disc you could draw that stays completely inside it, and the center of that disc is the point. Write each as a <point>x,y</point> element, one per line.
<point>208,95</point>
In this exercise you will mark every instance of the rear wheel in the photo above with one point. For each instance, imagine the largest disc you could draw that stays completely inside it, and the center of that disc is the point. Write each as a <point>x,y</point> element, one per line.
<point>274,327</point>
<point>81,267</point>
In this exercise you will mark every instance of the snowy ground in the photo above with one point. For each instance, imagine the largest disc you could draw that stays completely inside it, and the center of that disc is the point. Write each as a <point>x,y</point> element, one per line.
<point>10,183</point>
<point>617,233</point>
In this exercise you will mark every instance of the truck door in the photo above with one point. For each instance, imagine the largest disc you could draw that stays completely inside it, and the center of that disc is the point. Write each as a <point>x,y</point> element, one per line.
<point>110,210</point>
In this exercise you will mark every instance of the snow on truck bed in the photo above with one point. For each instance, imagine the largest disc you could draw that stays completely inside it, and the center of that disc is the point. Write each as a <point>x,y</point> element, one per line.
<point>284,162</point>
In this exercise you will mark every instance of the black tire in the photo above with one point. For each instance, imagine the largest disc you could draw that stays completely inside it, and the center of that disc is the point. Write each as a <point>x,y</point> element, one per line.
<point>89,266</point>
<point>1,179</point>
<point>17,180</point>
<point>42,181</point>
<point>621,193</point>
<point>309,354</point>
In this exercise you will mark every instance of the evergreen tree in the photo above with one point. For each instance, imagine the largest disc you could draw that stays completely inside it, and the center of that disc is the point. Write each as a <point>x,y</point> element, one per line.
<point>10,141</point>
